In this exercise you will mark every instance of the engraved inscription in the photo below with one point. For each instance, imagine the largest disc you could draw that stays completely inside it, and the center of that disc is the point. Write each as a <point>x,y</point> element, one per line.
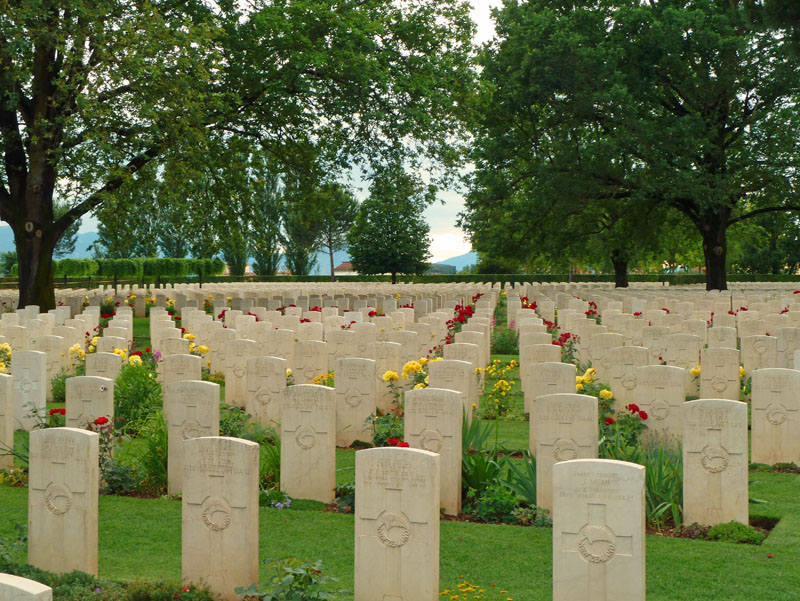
<point>394,529</point>
<point>776,414</point>
<point>191,429</point>
<point>352,397</point>
<point>305,437</point>
<point>719,384</point>
<point>216,514</point>
<point>659,410</point>
<point>714,459</point>
<point>57,499</point>
<point>596,544</point>
<point>565,449</point>
<point>629,381</point>
<point>431,440</point>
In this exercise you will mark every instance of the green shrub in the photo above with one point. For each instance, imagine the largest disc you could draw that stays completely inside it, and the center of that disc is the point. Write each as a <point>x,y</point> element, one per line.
<point>345,497</point>
<point>479,467</point>
<point>735,532</point>
<point>137,394</point>
<point>270,464</point>
<point>494,504</point>
<point>150,454</point>
<point>79,586</point>
<point>59,386</point>
<point>385,427</point>
<point>532,516</point>
<point>232,421</point>
<point>117,478</point>
<point>291,580</point>
<point>522,480</point>
<point>504,342</point>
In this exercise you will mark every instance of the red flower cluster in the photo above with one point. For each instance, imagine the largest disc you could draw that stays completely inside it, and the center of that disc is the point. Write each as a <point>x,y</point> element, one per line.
<point>742,308</point>
<point>476,297</point>
<point>609,421</point>
<point>785,310</point>
<point>591,313</point>
<point>634,408</point>
<point>565,337</point>
<point>637,314</point>
<point>409,306</point>
<point>105,316</point>
<point>136,354</point>
<point>254,315</point>
<point>593,305</point>
<point>101,421</point>
<point>373,313</point>
<point>796,292</point>
<point>665,310</point>
<point>394,442</point>
<point>147,349</point>
<point>221,316</point>
<point>305,320</point>
<point>316,308</point>
<point>58,412</point>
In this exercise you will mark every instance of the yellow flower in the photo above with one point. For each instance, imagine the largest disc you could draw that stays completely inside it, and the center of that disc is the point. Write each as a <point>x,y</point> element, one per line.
<point>91,348</point>
<point>135,360</point>
<point>606,394</point>
<point>288,372</point>
<point>578,387</point>
<point>94,341</point>
<point>191,346</point>
<point>390,376</point>
<point>188,336</point>
<point>578,379</point>
<point>420,385</point>
<point>742,372</point>
<point>202,349</point>
<point>81,353</point>
<point>208,364</point>
<point>695,371</point>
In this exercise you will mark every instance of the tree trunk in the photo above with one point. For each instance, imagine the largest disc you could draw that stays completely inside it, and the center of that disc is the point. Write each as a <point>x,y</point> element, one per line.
<point>715,250</point>
<point>394,277</point>
<point>620,261</point>
<point>35,264</point>
<point>330,254</point>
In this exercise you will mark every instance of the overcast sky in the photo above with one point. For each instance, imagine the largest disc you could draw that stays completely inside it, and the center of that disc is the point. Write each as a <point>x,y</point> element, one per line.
<point>447,240</point>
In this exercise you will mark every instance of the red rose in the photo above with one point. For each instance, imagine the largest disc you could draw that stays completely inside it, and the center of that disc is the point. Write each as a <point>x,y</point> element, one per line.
<point>185,589</point>
<point>392,442</point>
<point>101,421</point>
<point>633,408</point>
<point>147,350</point>
<point>609,421</point>
<point>402,444</point>
<point>643,415</point>
<point>136,353</point>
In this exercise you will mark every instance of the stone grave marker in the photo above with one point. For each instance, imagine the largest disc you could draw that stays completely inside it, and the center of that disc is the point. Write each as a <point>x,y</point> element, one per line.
<point>88,398</point>
<point>308,442</point>
<point>220,514</point>
<point>397,525</point>
<point>62,500</point>
<point>759,352</point>
<point>177,368</point>
<point>356,391</point>
<point>310,360</point>
<point>600,356</point>
<point>719,375</point>
<point>715,462</point>
<point>191,410</point>
<point>788,343</point>
<point>547,378</point>
<point>452,374</point>
<point>237,352</point>
<point>598,531</point>
<point>30,379</point>
<point>775,416</point>
<point>174,346</point>
<point>660,393</point>
<point>539,353</point>
<point>389,358</point>
<point>266,379</point>
<point>16,588</point>
<point>107,344</point>
<point>433,423</point>
<point>683,350</point>
<point>6,420</point>
<point>106,365</point>
<point>565,428</point>
<point>721,337</point>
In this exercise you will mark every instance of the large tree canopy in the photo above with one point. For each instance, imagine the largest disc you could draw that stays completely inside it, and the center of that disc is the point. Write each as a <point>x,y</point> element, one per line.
<point>690,105</point>
<point>91,91</point>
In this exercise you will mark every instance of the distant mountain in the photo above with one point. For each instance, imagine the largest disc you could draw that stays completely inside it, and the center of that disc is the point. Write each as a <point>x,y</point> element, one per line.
<point>84,241</point>
<point>461,261</point>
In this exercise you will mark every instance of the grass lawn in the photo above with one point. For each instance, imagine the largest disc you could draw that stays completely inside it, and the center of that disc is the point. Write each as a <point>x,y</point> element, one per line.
<point>140,539</point>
